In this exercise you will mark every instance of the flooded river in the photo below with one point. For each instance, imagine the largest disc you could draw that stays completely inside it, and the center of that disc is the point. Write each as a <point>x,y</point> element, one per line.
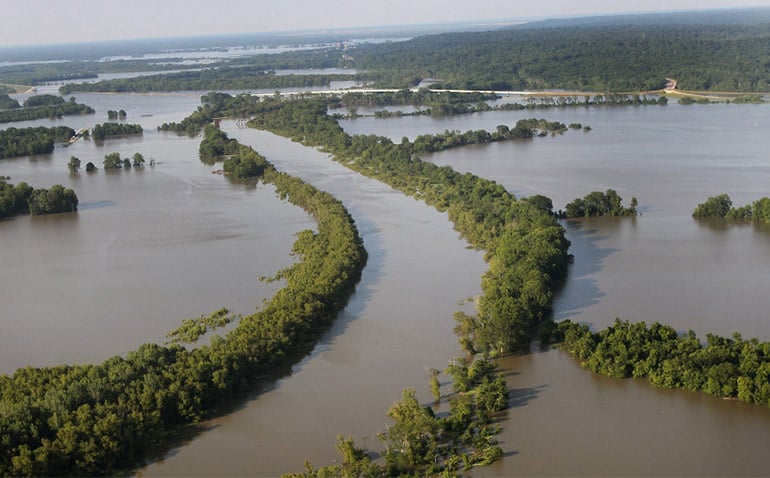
<point>151,247</point>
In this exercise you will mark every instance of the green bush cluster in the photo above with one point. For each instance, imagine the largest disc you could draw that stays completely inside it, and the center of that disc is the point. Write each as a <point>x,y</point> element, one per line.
<point>25,141</point>
<point>239,162</point>
<point>599,203</point>
<point>23,199</point>
<point>722,206</point>
<point>110,130</point>
<point>725,367</point>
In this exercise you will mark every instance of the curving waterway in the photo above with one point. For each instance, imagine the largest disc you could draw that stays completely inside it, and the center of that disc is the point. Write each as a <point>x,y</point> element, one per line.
<point>661,266</point>
<point>151,247</point>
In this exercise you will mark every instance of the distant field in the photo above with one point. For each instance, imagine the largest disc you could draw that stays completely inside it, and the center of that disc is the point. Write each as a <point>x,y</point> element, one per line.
<point>15,88</point>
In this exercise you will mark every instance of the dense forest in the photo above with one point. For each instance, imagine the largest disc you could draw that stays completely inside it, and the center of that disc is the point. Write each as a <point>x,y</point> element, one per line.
<point>590,58</point>
<point>598,203</point>
<point>25,141</point>
<point>40,106</point>
<point>24,199</point>
<point>97,419</point>
<point>110,130</point>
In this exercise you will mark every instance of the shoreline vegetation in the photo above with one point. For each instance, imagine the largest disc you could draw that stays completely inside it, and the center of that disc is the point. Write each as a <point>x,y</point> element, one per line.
<point>15,142</point>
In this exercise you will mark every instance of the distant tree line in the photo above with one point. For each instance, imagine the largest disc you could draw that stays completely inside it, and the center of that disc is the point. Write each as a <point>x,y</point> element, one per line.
<point>722,206</point>
<point>725,367</point>
<point>222,78</point>
<point>24,199</point>
<point>110,130</point>
<point>38,107</point>
<point>26,141</point>
<point>616,58</point>
<point>406,96</point>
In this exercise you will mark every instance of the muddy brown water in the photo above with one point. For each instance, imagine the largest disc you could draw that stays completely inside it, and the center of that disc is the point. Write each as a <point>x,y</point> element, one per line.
<point>150,248</point>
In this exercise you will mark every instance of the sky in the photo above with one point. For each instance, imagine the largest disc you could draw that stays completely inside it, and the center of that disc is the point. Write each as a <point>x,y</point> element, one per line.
<point>29,22</point>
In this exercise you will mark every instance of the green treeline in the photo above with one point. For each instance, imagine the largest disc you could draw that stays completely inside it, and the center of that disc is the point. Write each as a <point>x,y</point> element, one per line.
<point>405,96</point>
<point>524,128</point>
<point>532,103</point>
<point>599,203</point>
<point>722,206</point>
<point>26,141</point>
<point>613,57</point>
<point>24,199</point>
<point>725,367</point>
<point>221,78</point>
<point>40,106</point>
<point>109,130</point>
<point>598,58</point>
<point>98,419</point>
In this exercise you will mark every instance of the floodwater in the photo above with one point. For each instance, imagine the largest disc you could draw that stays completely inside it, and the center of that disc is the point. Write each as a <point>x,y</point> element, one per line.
<point>661,266</point>
<point>146,249</point>
<point>151,247</point>
<point>396,326</point>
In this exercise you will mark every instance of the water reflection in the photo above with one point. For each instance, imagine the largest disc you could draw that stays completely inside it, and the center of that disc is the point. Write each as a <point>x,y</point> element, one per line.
<point>581,289</point>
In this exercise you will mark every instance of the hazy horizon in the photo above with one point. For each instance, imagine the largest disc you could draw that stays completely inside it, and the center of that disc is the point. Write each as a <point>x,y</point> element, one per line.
<point>82,21</point>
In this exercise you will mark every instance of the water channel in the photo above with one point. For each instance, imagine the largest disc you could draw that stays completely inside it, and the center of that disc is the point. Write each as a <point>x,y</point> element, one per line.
<point>148,248</point>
